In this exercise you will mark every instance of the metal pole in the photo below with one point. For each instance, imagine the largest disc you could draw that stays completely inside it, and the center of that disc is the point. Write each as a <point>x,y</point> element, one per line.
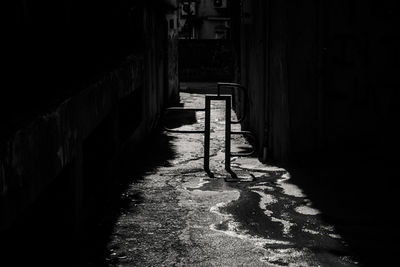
<point>228,105</point>
<point>228,131</point>
<point>207,136</point>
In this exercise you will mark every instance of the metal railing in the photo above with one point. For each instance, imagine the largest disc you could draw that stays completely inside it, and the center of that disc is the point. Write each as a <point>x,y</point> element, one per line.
<point>244,93</point>
<point>228,122</point>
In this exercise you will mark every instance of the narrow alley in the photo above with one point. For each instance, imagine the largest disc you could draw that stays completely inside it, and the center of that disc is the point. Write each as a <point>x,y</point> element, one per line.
<point>175,215</point>
<point>107,158</point>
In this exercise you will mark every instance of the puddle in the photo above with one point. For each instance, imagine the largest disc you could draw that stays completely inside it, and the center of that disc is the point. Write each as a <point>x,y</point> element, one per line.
<point>232,228</point>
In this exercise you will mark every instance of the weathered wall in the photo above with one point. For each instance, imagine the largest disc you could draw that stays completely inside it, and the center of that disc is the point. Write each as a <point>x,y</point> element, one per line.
<point>331,114</point>
<point>76,131</point>
<point>264,74</point>
<point>253,67</point>
<point>362,65</point>
<point>321,77</point>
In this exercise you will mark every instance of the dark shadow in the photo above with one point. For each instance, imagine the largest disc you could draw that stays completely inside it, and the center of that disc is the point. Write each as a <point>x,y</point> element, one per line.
<point>176,118</point>
<point>209,173</point>
<point>360,199</point>
<point>42,236</point>
<point>232,174</point>
<point>45,236</point>
<point>134,162</point>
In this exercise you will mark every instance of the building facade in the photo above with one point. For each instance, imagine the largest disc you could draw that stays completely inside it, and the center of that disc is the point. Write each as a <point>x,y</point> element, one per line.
<point>205,19</point>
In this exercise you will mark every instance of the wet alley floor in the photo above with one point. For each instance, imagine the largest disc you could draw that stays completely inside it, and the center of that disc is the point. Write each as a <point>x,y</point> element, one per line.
<point>175,215</point>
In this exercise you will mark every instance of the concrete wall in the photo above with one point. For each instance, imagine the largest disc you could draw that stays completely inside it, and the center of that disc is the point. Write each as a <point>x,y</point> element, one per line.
<point>321,77</point>
<point>77,137</point>
<point>264,74</point>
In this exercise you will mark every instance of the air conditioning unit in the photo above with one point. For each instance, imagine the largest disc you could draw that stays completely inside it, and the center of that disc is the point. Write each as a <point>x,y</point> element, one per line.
<point>188,8</point>
<point>220,3</point>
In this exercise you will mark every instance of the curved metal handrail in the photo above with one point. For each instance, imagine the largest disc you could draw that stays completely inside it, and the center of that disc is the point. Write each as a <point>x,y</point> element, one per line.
<point>243,89</point>
<point>206,131</point>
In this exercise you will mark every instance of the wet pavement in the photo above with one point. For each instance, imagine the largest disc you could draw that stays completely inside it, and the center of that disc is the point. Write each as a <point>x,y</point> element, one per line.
<point>175,215</point>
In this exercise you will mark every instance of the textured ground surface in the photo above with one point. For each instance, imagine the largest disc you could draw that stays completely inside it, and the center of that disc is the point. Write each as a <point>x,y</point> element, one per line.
<point>175,215</point>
